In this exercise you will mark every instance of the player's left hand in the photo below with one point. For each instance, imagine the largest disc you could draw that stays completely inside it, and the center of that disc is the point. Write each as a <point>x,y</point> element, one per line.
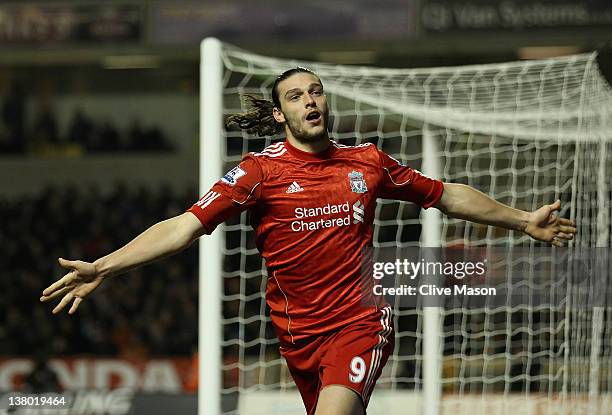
<point>545,225</point>
<point>82,279</point>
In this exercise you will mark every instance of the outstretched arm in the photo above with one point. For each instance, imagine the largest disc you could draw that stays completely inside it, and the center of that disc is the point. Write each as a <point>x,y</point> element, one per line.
<point>160,240</point>
<point>465,202</point>
<point>236,191</point>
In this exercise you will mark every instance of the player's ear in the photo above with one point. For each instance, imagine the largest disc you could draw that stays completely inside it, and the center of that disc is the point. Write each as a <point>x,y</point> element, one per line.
<point>278,115</point>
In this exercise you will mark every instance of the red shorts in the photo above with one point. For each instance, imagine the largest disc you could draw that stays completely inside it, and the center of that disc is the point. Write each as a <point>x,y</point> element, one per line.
<point>352,357</point>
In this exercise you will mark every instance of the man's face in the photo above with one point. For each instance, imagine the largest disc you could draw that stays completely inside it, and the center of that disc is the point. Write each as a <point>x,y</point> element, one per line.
<point>303,107</point>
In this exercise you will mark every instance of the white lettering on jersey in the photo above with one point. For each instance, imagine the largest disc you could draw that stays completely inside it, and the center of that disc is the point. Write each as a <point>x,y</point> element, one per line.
<point>302,212</point>
<point>207,199</point>
<point>316,222</point>
<point>232,176</point>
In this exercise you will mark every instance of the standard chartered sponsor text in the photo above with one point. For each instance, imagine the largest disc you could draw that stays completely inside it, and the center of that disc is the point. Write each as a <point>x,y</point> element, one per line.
<point>322,223</point>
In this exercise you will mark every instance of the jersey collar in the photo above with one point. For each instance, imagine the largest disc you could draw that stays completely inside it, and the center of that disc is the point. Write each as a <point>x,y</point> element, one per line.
<point>305,155</point>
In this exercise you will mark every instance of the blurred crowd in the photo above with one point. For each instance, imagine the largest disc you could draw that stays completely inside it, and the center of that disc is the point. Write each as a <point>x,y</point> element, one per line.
<point>149,311</point>
<point>22,132</point>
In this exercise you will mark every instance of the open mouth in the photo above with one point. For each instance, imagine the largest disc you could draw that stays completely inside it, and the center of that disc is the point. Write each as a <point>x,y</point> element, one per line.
<point>313,116</point>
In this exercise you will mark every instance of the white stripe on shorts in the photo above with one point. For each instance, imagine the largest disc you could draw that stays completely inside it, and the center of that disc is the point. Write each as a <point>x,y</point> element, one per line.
<point>377,351</point>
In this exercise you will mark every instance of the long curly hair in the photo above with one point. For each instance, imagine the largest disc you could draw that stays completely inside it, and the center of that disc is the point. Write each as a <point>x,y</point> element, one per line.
<point>258,118</point>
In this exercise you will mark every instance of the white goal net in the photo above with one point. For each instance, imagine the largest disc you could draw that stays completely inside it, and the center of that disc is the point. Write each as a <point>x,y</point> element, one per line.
<point>526,133</point>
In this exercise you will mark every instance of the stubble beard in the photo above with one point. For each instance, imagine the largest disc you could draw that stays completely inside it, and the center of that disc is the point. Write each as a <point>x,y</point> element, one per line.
<point>302,136</point>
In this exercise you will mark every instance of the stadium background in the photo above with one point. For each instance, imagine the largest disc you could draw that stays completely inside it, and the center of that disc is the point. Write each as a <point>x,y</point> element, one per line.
<point>99,139</point>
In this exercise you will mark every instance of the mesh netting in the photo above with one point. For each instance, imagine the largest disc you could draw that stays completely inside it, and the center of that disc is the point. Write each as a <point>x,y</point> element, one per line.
<point>526,133</point>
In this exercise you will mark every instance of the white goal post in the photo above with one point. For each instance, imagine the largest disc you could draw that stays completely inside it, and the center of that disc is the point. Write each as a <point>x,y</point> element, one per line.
<point>210,254</point>
<point>526,133</point>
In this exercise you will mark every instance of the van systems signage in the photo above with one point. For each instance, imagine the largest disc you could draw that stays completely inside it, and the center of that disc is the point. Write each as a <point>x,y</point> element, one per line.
<point>470,15</point>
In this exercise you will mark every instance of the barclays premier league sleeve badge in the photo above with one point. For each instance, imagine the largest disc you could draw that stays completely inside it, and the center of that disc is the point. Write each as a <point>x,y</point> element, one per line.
<point>358,184</point>
<point>232,176</point>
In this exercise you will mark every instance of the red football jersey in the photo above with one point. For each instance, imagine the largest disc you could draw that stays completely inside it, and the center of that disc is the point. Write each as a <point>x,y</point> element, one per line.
<point>313,214</point>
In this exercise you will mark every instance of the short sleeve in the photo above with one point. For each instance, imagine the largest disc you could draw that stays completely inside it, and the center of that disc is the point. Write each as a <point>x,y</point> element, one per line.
<point>401,182</point>
<point>236,191</point>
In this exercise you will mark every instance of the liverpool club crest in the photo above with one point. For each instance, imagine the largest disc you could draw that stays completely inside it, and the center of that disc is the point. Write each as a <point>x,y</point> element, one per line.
<point>358,184</point>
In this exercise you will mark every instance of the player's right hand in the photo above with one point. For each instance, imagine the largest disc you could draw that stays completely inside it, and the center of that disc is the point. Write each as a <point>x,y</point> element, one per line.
<point>82,279</point>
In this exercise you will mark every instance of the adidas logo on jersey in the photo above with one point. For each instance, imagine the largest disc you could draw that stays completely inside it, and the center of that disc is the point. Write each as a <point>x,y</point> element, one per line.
<point>294,188</point>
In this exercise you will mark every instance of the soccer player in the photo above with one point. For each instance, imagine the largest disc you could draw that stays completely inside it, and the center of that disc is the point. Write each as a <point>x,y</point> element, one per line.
<point>312,205</point>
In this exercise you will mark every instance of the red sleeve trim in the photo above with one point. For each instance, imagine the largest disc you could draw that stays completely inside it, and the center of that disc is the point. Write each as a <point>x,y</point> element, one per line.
<point>435,195</point>
<point>193,211</point>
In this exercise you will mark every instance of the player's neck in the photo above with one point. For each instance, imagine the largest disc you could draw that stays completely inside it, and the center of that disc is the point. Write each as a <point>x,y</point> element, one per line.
<point>313,147</point>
